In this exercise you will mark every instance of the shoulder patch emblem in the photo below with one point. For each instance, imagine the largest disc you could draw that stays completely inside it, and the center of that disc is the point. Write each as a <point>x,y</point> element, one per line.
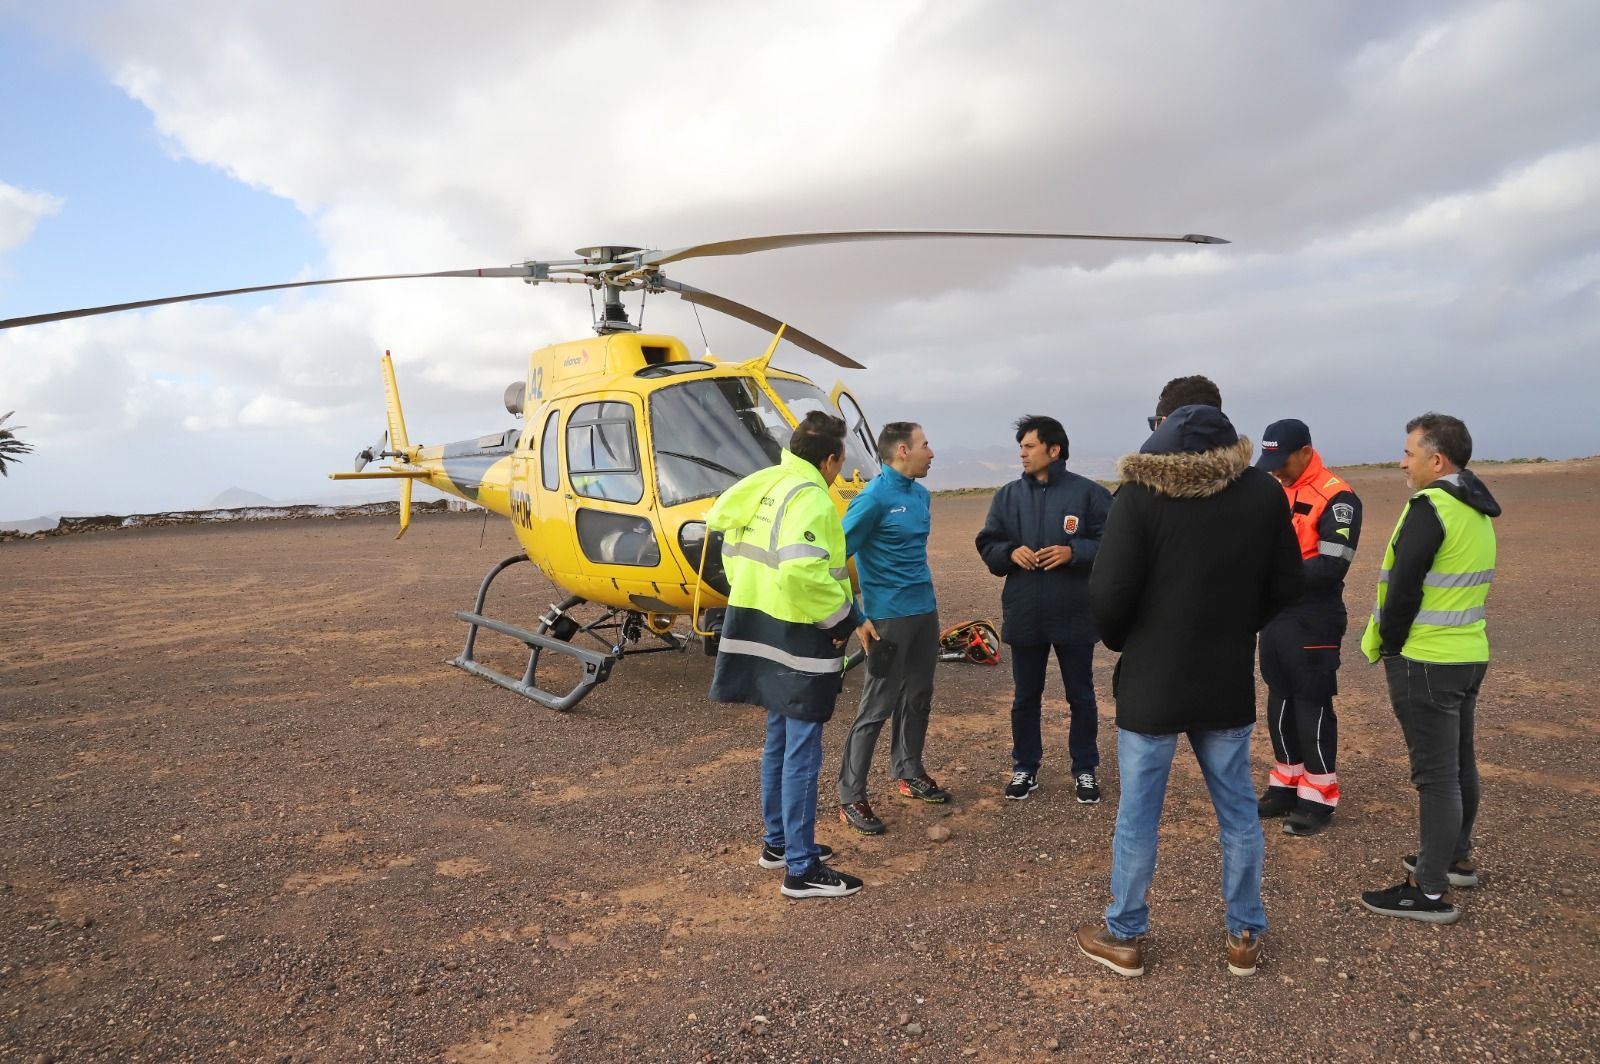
<point>1069,524</point>
<point>811,537</point>
<point>1344,513</point>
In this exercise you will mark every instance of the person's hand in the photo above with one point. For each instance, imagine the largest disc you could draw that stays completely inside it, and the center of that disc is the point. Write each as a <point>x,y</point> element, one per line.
<point>1025,558</point>
<point>1053,557</point>
<point>867,633</point>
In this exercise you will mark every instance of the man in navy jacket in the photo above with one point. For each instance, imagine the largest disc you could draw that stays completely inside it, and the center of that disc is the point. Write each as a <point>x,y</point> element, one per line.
<point>1042,534</point>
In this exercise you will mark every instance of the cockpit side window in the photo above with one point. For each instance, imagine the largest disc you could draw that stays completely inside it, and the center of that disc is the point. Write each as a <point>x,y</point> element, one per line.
<point>550,466</point>
<point>602,456</point>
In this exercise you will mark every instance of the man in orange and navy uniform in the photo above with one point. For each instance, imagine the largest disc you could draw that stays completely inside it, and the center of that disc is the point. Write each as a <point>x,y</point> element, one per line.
<point>1300,646</point>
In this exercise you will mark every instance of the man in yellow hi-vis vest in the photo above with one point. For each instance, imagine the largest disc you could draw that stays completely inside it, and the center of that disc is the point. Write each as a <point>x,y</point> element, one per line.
<point>1428,630</point>
<point>790,611</point>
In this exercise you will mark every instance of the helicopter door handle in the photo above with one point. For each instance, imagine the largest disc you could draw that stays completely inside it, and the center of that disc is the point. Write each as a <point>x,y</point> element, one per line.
<point>569,496</point>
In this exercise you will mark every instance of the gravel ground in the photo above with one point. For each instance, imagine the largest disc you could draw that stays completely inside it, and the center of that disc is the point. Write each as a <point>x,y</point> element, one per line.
<point>250,815</point>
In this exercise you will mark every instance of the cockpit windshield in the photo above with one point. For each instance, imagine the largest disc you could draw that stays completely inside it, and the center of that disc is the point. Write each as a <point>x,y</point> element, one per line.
<point>709,434</point>
<point>860,449</point>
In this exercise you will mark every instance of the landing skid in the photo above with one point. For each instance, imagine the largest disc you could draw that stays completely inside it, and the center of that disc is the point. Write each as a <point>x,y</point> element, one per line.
<point>615,631</point>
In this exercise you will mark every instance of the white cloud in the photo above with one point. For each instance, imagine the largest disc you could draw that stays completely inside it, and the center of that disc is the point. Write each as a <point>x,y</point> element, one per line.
<point>1410,189</point>
<point>21,212</point>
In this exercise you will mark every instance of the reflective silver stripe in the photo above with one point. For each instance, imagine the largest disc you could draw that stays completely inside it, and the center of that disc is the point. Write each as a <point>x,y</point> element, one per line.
<point>1441,618</point>
<point>782,657</point>
<point>801,550</point>
<point>768,558</point>
<point>840,574</point>
<point>1482,576</point>
<point>1335,550</point>
<point>777,518</point>
<point>1451,618</point>
<point>837,615</point>
<point>1435,579</point>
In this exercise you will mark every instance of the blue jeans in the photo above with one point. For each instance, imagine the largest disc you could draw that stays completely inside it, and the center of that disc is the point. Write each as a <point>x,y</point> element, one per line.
<point>1144,762</point>
<point>790,762</point>
<point>1029,665</point>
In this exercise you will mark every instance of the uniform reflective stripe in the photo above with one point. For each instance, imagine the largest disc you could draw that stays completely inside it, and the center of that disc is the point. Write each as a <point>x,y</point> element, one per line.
<point>839,574</point>
<point>769,558</point>
<point>1336,550</point>
<point>777,518</point>
<point>1285,775</point>
<point>1433,579</point>
<point>1482,576</point>
<point>1319,787</point>
<point>1442,618</point>
<point>837,615</point>
<point>782,657</point>
<point>1451,618</point>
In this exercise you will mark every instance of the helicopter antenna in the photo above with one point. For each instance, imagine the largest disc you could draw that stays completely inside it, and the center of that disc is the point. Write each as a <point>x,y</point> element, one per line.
<point>702,325</point>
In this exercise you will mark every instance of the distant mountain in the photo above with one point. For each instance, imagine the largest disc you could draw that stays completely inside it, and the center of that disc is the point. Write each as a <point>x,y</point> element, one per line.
<point>37,524</point>
<point>235,498</point>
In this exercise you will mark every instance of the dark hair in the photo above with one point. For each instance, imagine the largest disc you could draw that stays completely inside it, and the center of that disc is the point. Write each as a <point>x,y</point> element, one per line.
<point>818,438</point>
<point>1051,434</point>
<point>1188,391</point>
<point>1446,435</point>
<point>893,435</point>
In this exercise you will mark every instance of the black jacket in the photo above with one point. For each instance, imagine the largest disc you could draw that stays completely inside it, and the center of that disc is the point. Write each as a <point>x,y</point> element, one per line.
<point>1416,541</point>
<point>1045,606</point>
<point>1198,554</point>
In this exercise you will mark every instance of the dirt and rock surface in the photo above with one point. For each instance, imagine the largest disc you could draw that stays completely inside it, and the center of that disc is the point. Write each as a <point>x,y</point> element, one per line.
<point>250,814</point>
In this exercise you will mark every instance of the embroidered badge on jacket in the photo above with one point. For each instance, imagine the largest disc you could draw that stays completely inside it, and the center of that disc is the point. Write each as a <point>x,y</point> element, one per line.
<point>1069,524</point>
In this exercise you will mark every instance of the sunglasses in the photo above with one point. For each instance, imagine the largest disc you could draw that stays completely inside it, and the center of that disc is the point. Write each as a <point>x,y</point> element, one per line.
<point>1155,421</point>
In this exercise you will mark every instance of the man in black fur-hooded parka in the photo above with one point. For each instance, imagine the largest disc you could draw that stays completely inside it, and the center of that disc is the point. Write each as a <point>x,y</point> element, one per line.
<point>1198,554</point>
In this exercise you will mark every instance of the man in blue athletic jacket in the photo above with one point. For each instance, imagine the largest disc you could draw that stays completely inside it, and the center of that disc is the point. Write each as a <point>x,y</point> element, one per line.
<point>1042,535</point>
<point>886,529</point>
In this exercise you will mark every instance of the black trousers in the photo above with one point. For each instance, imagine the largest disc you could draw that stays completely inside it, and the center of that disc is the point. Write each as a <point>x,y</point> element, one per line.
<point>1300,664</point>
<point>1437,706</point>
<point>1029,665</point>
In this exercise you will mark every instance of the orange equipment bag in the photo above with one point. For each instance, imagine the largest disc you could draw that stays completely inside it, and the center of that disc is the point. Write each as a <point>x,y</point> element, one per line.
<point>975,641</point>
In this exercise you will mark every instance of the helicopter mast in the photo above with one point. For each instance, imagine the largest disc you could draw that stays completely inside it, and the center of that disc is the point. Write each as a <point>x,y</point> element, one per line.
<point>613,315</point>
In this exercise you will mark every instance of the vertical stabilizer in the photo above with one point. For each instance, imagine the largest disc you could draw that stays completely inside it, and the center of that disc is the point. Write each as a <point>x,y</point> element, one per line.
<point>398,440</point>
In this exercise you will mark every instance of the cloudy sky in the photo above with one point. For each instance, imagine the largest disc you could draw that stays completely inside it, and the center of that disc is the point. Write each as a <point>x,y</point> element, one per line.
<point>1412,191</point>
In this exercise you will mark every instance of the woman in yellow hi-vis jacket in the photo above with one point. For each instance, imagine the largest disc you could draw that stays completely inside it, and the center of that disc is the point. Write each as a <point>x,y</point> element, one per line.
<point>790,612</point>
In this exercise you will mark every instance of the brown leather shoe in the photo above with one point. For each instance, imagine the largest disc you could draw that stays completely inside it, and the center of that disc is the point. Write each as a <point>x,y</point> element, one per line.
<point>1244,953</point>
<point>1125,956</point>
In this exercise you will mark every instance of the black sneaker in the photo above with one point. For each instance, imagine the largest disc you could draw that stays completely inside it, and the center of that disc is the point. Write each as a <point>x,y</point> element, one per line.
<point>925,788</point>
<point>772,856</point>
<point>1278,801</point>
<point>1305,821</point>
<point>820,881</point>
<point>859,815</point>
<point>1408,902</point>
<point>1088,788</point>
<point>1022,784</point>
<point>1460,873</point>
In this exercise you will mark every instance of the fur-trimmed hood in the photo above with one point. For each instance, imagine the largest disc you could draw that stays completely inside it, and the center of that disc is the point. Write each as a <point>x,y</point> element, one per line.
<point>1188,476</point>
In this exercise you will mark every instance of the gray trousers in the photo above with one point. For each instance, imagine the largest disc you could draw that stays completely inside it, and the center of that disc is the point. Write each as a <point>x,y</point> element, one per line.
<point>1437,708</point>
<point>904,693</point>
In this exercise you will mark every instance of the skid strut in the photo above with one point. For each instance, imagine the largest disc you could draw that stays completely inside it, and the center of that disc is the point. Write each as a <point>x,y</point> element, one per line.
<point>614,631</point>
<point>596,664</point>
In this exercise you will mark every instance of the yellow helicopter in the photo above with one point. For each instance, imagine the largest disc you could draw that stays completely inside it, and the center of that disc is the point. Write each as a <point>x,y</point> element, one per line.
<point>626,441</point>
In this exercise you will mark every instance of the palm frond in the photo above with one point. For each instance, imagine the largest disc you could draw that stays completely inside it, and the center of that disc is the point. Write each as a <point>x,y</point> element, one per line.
<point>11,448</point>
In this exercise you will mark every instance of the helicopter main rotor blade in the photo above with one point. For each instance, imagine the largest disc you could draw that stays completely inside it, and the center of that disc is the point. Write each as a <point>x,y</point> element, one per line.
<point>745,245</point>
<point>62,315</point>
<point>752,316</point>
